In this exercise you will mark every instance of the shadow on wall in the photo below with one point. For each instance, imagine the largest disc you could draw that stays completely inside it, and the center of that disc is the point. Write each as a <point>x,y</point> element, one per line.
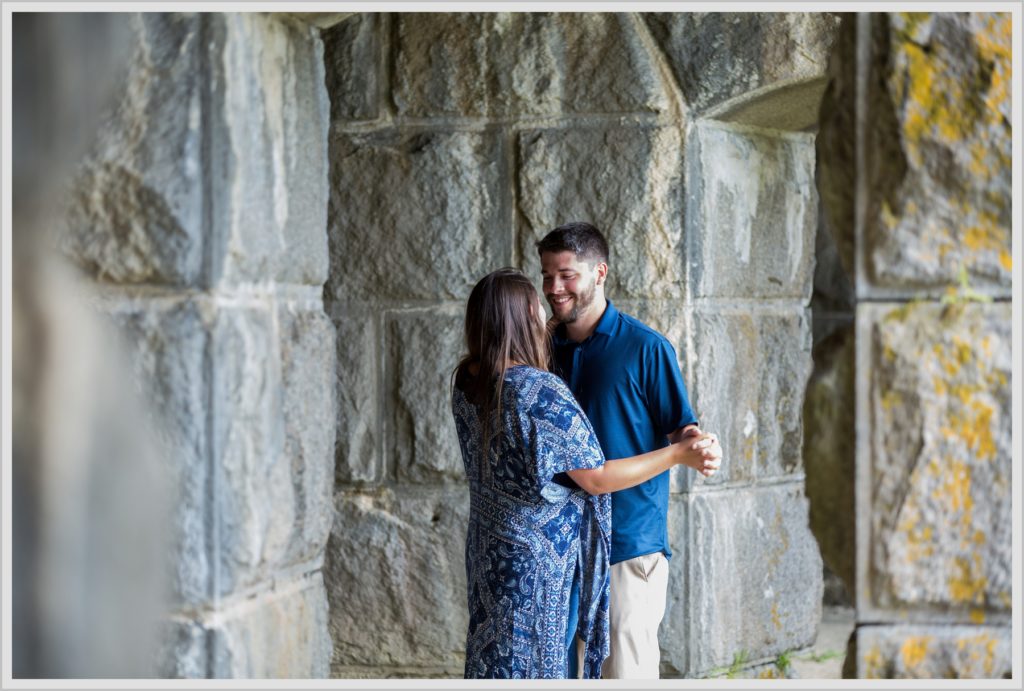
<point>89,494</point>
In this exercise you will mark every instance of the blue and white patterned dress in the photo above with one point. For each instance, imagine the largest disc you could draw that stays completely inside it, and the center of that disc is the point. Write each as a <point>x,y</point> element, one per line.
<point>528,534</point>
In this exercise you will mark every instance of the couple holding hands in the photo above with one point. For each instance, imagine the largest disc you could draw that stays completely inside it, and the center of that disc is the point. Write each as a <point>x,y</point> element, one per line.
<point>567,430</point>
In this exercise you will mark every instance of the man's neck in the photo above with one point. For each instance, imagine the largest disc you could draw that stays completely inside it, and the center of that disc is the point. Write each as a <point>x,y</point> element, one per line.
<point>585,324</point>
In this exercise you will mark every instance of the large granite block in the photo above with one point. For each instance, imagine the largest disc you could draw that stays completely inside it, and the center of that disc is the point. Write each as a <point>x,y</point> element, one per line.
<point>273,462</point>
<point>938,153</point>
<point>419,215</point>
<point>396,580</point>
<point>627,182</point>
<point>934,462</point>
<point>750,369</point>
<point>268,127</point>
<point>168,347</point>
<point>359,456</point>
<point>716,56</point>
<point>135,207</point>
<point>352,63</point>
<point>423,348</point>
<point>521,64</point>
<point>718,605</point>
<point>921,652</point>
<point>752,213</point>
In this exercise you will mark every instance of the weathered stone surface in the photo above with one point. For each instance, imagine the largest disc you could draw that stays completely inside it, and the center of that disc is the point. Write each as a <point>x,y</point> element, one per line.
<point>135,209</point>
<point>359,456</point>
<point>255,497</point>
<point>430,221</point>
<point>627,182</point>
<point>718,55</point>
<point>396,580</point>
<point>938,152</point>
<point>272,463</point>
<point>423,348</point>
<point>835,146</point>
<point>919,652</point>
<point>752,213</point>
<point>184,653</point>
<point>351,61</point>
<point>309,407</point>
<point>935,512</point>
<point>717,604</point>
<point>506,64</point>
<point>829,452</point>
<point>168,348</point>
<point>750,370</point>
<point>281,634</point>
<point>269,127</point>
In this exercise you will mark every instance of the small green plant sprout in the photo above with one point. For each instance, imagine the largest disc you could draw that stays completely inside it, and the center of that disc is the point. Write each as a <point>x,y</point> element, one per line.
<point>965,293</point>
<point>784,661</point>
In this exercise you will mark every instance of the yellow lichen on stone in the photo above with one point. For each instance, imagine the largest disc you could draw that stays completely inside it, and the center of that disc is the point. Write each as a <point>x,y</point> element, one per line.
<point>775,616</point>
<point>914,650</point>
<point>957,486</point>
<point>977,616</point>
<point>874,663</point>
<point>1005,260</point>
<point>967,584</point>
<point>995,45</point>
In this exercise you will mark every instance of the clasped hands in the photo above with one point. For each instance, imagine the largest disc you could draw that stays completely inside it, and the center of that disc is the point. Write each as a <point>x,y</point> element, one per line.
<point>704,452</point>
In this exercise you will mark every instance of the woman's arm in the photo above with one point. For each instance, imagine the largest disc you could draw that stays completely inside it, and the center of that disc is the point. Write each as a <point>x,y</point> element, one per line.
<point>703,454</point>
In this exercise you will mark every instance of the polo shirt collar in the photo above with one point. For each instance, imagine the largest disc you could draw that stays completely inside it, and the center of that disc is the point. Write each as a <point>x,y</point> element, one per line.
<point>605,324</point>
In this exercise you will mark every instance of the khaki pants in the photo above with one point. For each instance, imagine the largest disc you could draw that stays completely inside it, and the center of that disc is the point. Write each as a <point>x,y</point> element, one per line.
<point>639,587</point>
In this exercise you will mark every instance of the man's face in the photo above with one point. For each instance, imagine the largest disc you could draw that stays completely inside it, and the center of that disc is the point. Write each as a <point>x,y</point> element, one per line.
<point>569,284</point>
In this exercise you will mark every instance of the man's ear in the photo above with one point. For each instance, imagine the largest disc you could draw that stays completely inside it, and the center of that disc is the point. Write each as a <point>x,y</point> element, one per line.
<point>602,272</point>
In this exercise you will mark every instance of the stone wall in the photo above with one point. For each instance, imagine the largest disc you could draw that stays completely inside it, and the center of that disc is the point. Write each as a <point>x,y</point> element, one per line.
<point>914,155</point>
<point>200,216</point>
<point>456,141</point>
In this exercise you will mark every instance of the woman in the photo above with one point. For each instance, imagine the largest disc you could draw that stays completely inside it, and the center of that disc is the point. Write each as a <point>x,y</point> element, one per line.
<point>540,516</point>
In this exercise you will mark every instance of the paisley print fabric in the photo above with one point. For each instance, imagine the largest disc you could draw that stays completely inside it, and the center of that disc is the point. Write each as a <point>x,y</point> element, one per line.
<point>529,536</point>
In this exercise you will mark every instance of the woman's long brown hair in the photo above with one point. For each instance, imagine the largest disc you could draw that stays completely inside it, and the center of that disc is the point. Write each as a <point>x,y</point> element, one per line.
<point>501,327</point>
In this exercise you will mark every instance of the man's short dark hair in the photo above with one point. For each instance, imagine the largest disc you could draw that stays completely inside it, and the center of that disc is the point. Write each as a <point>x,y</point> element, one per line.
<point>582,239</point>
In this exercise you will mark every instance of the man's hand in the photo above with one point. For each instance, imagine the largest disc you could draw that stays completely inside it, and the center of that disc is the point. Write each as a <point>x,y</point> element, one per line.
<point>704,453</point>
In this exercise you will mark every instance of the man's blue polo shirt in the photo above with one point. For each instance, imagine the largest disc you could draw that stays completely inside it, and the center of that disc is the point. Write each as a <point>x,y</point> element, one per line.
<point>626,378</point>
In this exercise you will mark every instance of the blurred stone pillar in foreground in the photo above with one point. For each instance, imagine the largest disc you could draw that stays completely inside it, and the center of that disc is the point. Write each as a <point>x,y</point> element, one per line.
<point>914,154</point>
<point>88,494</point>
<point>199,216</point>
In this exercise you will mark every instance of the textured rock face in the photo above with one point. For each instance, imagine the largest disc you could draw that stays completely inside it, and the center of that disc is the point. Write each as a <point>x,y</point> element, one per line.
<point>933,456</point>
<point>829,451</point>
<point>915,652</point>
<point>750,370</point>
<point>626,182</point>
<point>940,458</point>
<point>720,55</point>
<point>396,581</point>
<point>209,183</point>
<point>941,199</point>
<point>753,200</point>
<point>519,64</point>
<point>351,64</point>
<point>424,445</point>
<point>443,231</point>
<point>718,603</point>
<point>270,117</point>
<point>136,205</point>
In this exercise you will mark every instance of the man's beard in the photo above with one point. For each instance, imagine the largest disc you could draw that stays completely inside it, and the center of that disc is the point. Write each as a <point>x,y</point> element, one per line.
<point>581,301</point>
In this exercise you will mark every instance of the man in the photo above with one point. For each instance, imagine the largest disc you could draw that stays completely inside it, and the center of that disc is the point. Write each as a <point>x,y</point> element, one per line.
<point>626,378</point>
